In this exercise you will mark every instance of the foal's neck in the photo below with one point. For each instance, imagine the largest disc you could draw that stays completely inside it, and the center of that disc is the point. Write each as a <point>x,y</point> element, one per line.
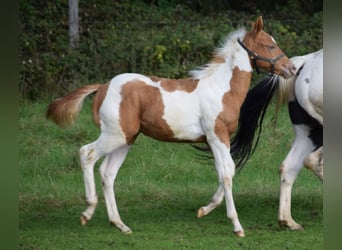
<point>239,84</point>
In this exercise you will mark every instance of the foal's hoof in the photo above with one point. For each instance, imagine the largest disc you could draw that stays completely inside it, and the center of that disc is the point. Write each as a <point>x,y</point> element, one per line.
<point>240,234</point>
<point>200,213</point>
<point>297,227</point>
<point>292,226</point>
<point>84,220</point>
<point>128,232</point>
<point>122,227</point>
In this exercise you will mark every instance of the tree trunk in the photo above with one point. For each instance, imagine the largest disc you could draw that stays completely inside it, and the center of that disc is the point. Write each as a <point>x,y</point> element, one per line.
<point>73,24</point>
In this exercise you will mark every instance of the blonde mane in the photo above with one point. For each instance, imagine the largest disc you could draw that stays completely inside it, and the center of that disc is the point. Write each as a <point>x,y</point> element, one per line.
<point>220,55</point>
<point>286,86</point>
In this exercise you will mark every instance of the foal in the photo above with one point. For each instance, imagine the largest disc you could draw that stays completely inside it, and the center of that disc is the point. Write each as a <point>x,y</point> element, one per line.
<point>202,108</point>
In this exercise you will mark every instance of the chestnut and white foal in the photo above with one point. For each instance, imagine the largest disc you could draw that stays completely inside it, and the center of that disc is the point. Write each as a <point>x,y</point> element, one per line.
<point>202,108</point>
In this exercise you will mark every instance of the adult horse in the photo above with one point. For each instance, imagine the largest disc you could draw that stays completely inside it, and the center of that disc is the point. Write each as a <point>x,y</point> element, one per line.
<point>304,95</point>
<point>202,108</point>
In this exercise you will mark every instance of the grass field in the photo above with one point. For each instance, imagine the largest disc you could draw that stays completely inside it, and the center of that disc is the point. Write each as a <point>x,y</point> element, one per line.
<point>159,189</point>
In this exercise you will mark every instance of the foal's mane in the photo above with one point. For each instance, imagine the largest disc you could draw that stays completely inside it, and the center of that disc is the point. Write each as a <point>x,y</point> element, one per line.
<point>220,54</point>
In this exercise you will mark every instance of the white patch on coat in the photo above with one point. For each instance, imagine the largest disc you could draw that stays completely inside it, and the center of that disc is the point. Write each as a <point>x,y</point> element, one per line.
<point>309,86</point>
<point>182,114</point>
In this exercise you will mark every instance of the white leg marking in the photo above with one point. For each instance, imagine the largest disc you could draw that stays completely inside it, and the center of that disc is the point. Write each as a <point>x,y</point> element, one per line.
<point>226,169</point>
<point>108,171</point>
<point>289,170</point>
<point>89,155</point>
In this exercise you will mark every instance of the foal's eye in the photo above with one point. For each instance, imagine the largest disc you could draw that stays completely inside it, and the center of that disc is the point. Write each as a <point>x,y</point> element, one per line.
<point>271,47</point>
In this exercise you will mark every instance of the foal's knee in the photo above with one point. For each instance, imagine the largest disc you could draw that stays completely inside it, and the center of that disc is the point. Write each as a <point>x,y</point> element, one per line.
<point>107,181</point>
<point>227,181</point>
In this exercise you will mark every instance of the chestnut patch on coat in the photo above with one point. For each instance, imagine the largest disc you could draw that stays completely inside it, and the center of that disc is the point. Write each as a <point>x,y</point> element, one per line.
<point>227,121</point>
<point>170,85</point>
<point>141,110</point>
<point>98,100</point>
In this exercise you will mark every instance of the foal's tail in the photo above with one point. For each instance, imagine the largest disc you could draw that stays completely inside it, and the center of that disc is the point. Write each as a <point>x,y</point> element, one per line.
<point>64,110</point>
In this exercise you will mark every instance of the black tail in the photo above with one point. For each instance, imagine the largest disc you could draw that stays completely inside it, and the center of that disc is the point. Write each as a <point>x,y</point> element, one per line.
<point>252,114</point>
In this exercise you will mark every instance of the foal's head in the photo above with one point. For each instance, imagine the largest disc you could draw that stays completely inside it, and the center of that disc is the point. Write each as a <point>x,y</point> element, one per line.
<point>264,52</point>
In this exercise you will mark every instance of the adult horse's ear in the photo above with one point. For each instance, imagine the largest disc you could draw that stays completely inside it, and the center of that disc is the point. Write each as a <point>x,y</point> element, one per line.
<point>258,25</point>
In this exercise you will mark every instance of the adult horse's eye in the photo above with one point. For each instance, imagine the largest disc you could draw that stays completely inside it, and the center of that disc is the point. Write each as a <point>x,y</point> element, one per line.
<point>271,47</point>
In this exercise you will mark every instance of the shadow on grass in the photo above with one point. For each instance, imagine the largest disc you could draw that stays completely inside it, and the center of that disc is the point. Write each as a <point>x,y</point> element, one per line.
<point>256,212</point>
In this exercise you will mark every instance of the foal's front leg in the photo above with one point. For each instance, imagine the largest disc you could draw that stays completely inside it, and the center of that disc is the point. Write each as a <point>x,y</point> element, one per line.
<point>226,169</point>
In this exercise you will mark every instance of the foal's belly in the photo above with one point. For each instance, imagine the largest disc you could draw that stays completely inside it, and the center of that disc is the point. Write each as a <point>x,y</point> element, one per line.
<point>181,132</point>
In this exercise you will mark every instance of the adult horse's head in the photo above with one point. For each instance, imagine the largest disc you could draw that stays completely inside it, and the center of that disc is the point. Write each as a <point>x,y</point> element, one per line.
<point>264,52</point>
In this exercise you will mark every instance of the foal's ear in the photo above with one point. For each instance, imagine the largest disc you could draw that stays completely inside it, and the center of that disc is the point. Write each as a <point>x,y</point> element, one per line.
<point>258,25</point>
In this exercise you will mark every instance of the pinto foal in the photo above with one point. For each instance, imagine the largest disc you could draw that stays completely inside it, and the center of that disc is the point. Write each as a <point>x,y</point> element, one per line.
<point>202,108</point>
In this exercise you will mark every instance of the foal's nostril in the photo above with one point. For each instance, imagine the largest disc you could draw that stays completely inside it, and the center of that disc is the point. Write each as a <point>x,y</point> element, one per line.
<point>291,68</point>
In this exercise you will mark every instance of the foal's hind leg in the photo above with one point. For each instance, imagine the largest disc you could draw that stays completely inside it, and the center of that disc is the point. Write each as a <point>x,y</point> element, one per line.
<point>108,173</point>
<point>89,154</point>
<point>314,162</point>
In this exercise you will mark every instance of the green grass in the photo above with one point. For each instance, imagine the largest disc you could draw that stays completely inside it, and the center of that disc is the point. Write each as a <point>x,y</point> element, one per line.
<point>159,189</point>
